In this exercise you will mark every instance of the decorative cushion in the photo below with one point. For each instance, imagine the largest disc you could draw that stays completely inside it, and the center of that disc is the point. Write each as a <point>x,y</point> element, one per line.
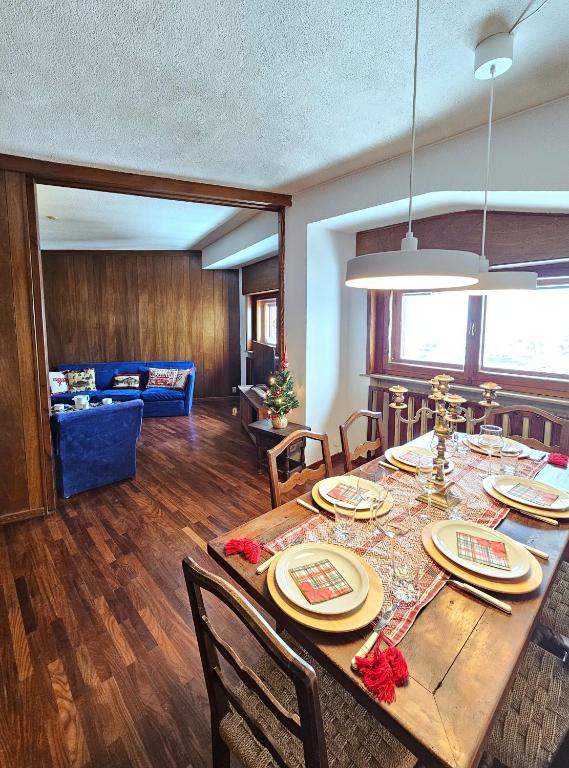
<point>126,381</point>
<point>58,382</point>
<point>81,381</point>
<point>162,377</point>
<point>182,376</point>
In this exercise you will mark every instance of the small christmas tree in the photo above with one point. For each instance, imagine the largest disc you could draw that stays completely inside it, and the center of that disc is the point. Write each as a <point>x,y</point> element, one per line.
<point>280,397</point>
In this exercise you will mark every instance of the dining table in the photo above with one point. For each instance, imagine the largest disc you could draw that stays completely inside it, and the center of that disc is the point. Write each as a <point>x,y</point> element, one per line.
<point>462,653</point>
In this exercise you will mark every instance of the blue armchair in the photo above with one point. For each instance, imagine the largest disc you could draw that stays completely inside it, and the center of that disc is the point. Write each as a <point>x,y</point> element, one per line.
<point>96,446</point>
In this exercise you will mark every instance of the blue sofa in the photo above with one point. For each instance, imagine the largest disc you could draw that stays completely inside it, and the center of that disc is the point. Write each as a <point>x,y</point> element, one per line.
<point>95,447</point>
<point>158,401</point>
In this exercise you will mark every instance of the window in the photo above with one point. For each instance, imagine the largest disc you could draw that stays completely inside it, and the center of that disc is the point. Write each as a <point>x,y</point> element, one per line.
<point>267,321</point>
<point>422,317</point>
<point>520,340</point>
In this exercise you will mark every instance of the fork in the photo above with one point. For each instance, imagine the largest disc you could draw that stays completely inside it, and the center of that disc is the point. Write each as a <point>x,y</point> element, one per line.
<point>379,625</point>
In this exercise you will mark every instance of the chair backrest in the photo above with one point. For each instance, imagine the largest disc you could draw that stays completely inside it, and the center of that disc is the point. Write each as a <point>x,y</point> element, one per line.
<point>307,724</point>
<point>533,427</point>
<point>304,476</point>
<point>374,444</point>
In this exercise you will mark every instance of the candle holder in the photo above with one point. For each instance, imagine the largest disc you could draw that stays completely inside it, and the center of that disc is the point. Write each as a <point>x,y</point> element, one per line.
<point>448,411</point>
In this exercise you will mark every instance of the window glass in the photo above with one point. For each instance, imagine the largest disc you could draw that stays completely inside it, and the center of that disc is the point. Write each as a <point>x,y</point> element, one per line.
<point>267,321</point>
<point>527,331</point>
<point>433,327</point>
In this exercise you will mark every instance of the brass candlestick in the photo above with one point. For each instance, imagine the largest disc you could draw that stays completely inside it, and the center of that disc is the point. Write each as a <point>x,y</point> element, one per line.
<point>448,411</point>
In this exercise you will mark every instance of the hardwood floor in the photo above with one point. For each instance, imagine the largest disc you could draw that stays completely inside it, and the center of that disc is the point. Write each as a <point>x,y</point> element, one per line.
<point>98,660</point>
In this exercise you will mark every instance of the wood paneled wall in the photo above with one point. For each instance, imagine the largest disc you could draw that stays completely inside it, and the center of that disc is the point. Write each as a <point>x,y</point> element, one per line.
<point>260,277</point>
<point>512,237</point>
<point>22,486</point>
<point>144,305</point>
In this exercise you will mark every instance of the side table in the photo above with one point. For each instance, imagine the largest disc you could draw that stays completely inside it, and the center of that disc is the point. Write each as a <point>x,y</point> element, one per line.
<point>292,460</point>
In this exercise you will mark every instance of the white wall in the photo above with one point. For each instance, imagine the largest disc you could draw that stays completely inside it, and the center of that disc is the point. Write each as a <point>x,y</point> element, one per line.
<point>326,343</point>
<point>256,239</point>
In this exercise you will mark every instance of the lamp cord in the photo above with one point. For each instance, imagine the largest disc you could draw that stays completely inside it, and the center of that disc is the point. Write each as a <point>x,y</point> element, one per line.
<point>488,146</point>
<point>412,169</point>
<point>525,15</point>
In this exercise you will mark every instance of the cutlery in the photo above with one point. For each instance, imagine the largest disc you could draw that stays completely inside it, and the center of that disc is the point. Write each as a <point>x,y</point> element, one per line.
<point>538,457</point>
<point>379,625</point>
<point>494,601</point>
<point>386,464</point>
<point>541,518</point>
<point>536,552</point>
<point>308,506</point>
<point>264,566</point>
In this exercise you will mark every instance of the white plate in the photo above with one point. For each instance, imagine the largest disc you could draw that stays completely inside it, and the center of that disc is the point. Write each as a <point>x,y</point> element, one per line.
<point>504,483</point>
<point>329,483</point>
<point>522,450</point>
<point>444,538</point>
<point>348,564</point>
<point>390,455</point>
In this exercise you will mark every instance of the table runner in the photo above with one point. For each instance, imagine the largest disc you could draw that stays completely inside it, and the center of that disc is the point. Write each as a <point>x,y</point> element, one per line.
<point>476,505</point>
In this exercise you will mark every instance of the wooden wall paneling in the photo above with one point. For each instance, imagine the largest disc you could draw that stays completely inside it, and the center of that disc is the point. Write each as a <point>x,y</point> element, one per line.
<point>104,306</point>
<point>21,473</point>
<point>512,236</point>
<point>260,277</point>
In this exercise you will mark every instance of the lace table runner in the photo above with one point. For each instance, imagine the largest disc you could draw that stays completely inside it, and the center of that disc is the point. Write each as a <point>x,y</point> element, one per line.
<point>375,548</point>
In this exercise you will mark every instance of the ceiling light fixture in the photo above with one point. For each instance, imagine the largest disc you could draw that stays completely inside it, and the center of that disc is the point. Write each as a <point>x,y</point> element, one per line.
<point>493,57</point>
<point>412,268</point>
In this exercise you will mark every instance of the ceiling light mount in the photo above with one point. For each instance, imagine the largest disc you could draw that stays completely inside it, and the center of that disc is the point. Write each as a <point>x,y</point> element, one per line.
<point>496,51</point>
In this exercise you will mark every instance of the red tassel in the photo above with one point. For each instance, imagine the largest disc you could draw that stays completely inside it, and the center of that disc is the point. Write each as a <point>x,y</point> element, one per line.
<point>558,460</point>
<point>250,549</point>
<point>398,664</point>
<point>377,675</point>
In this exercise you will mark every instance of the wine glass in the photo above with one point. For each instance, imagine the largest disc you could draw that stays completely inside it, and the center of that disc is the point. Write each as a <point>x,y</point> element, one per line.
<point>491,441</point>
<point>405,574</point>
<point>425,474</point>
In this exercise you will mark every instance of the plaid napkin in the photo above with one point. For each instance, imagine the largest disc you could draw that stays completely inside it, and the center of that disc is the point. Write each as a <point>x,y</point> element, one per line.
<point>532,496</point>
<point>320,581</point>
<point>484,551</point>
<point>346,493</point>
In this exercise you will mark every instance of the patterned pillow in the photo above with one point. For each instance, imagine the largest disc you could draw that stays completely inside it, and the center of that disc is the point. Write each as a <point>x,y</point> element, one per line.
<point>162,377</point>
<point>182,378</point>
<point>58,382</point>
<point>126,381</point>
<point>81,381</point>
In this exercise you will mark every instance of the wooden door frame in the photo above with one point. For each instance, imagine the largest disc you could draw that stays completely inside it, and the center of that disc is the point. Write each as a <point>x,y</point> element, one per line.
<point>105,180</point>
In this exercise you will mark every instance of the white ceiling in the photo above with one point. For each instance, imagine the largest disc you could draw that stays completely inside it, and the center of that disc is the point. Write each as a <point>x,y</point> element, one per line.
<point>86,219</point>
<point>258,93</point>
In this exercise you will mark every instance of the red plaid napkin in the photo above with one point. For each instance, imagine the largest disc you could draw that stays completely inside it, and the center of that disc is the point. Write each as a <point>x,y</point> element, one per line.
<point>320,581</point>
<point>484,551</point>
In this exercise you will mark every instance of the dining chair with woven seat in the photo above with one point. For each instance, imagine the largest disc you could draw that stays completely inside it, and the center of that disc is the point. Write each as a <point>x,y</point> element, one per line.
<point>527,425</point>
<point>531,730</point>
<point>369,447</point>
<point>553,632</point>
<point>305,475</point>
<point>285,711</point>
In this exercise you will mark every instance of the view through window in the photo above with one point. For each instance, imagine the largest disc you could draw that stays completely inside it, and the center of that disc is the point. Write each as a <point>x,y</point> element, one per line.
<point>267,321</point>
<point>433,327</point>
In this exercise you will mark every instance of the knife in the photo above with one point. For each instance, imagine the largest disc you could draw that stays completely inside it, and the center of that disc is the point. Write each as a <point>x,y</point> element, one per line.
<point>380,623</point>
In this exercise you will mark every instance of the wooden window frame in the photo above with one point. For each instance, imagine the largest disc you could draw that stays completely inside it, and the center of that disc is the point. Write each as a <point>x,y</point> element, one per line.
<point>384,334</point>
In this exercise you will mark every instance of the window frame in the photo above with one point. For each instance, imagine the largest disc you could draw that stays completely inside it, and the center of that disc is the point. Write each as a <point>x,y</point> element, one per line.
<point>384,333</point>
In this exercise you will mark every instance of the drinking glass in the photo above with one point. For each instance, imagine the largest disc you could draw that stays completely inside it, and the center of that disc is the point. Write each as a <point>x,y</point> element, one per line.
<point>425,474</point>
<point>509,456</point>
<point>491,441</point>
<point>404,574</point>
<point>344,523</point>
<point>375,504</point>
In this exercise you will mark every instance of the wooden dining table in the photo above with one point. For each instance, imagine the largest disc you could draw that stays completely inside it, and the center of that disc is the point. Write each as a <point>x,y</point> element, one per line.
<point>462,653</point>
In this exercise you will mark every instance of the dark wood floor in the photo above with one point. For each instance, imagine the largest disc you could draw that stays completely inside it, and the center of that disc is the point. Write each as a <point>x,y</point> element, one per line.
<point>98,660</point>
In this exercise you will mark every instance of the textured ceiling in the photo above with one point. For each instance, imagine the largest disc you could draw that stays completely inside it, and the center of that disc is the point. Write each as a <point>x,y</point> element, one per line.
<point>260,93</point>
<point>85,219</point>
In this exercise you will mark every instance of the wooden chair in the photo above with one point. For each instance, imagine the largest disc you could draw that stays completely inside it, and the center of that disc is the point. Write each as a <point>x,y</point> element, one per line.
<point>533,427</point>
<point>374,419</point>
<point>298,478</point>
<point>286,709</point>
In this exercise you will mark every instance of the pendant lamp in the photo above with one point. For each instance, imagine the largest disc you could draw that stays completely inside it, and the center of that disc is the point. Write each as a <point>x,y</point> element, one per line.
<point>493,57</point>
<point>413,268</point>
